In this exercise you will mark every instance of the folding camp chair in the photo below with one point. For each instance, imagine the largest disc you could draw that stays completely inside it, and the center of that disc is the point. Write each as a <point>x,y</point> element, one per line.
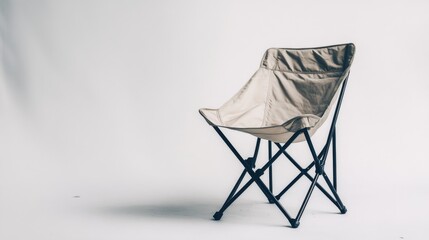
<point>286,101</point>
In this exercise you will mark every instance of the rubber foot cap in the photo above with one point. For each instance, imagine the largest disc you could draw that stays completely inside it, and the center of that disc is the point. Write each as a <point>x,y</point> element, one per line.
<point>344,210</point>
<point>217,216</point>
<point>295,224</point>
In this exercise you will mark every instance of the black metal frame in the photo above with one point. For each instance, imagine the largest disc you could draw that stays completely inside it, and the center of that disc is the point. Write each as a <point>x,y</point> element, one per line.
<point>318,162</point>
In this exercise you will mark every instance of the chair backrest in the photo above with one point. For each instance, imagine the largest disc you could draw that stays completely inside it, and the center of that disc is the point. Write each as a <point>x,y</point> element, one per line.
<point>337,58</point>
<point>308,80</point>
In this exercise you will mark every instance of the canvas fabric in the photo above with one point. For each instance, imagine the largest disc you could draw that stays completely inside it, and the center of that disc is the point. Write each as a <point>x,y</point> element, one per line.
<point>292,89</point>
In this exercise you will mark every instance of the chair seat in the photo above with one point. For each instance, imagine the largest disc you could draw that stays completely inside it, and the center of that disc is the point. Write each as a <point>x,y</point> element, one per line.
<point>248,122</point>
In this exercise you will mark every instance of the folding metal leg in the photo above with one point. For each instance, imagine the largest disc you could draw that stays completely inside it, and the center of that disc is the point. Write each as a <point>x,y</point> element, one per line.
<point>313,183</point>
<point>304,172</point>
<point>270,169</point>
<point>249,164</point>
<point>343,208</point>
<point>334,158</point>
<point>255,177</point>
<point>319,164</point>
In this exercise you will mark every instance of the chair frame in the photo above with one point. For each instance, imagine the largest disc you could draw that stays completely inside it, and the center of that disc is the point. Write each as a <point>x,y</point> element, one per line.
<point>318,162</point>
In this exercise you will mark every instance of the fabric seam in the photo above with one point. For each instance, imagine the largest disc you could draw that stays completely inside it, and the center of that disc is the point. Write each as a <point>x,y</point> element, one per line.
<point>264,120</point>
<point>315,72</point>
<point>218,116</point>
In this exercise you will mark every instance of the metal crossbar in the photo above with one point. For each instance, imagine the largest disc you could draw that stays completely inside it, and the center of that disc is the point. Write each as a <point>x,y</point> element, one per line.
<point>304,172</point>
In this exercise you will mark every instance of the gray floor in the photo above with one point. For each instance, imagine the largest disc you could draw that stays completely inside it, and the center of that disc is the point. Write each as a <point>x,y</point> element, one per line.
<point>40,201</point>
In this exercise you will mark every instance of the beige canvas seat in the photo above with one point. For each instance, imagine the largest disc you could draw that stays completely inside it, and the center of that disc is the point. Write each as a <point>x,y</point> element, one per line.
<point>291,90</point>
<point>286,101</point>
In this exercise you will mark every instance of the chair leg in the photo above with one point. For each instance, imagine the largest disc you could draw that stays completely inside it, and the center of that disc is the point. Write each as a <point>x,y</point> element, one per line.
<point>306,199</point>
<point>318,163</point>
<point>255,177</point>
<point>251,163</point>
<point>304,172</point>
<point>218,214</point>
<point>333,187</point>
<point>270,169</point>
<point>319,170</point>
<point>277,203</point>
<point>313,183</point>
<point>228,202</point>
<point>343,208</point>
<point>334,158</point>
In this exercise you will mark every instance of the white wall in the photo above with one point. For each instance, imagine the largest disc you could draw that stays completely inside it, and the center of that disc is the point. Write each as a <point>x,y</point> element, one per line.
<point>100,98</point>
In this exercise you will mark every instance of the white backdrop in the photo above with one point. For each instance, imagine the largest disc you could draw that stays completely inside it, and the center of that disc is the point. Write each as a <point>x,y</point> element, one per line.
<point>100,135</point>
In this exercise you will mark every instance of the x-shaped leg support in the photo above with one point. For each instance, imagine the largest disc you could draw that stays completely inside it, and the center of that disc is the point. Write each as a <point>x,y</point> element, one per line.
<point>249,165</point>
<point>304,172</point>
